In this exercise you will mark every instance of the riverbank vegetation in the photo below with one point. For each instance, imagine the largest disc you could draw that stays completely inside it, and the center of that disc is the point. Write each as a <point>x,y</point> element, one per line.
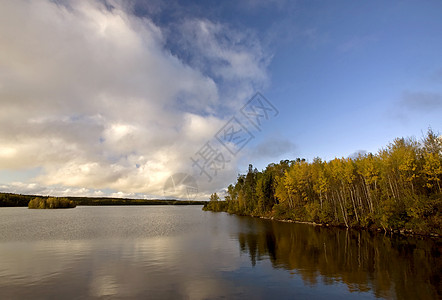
<point>50,203</point>
<point>399,188</point>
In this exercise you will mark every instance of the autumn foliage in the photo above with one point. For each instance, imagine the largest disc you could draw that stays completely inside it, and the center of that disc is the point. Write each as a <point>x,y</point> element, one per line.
<point>399,188</point>
<point>51,202</point>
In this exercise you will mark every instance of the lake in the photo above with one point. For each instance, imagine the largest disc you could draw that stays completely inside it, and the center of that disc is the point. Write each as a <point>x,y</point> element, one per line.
<point>181,252</point>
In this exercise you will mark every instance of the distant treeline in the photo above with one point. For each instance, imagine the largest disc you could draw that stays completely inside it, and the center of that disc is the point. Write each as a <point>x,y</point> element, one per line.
<point>399,188</point>
<point>11,200</point>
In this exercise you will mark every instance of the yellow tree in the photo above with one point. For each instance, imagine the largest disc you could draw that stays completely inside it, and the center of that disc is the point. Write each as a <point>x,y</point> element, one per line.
<point>432,170</point>
<point>368,169</point>
<point>320,182</point>
<point>298,183</point>
<point>432,157</point>
<point>338,191</point>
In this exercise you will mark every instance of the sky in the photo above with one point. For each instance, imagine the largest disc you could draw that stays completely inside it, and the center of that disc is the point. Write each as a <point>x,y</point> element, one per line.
<point>173,99</point>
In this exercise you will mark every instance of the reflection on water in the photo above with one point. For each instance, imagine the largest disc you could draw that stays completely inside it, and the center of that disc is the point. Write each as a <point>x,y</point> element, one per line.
<point>390,266</point>
<point>182,252</point>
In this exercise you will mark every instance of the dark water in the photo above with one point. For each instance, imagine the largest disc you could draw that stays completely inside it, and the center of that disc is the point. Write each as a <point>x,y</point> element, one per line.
<point>167,252</point>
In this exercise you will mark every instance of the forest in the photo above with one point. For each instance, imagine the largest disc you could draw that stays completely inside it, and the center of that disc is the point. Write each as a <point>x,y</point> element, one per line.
<point>396,189</point>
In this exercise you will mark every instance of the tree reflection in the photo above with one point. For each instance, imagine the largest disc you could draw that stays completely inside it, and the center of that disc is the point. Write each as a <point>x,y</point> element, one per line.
<point>391,266</point>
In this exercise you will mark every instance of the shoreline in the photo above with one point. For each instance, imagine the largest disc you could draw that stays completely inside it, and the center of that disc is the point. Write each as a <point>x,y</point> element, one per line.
<point>402,232</point>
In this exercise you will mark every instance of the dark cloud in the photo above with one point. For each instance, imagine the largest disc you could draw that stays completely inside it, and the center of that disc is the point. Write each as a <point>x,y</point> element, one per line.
<point>421,101</point>
<point>273,147</point>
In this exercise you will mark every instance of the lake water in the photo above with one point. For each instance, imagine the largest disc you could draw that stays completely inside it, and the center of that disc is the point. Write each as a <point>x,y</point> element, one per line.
<point>181,252</point>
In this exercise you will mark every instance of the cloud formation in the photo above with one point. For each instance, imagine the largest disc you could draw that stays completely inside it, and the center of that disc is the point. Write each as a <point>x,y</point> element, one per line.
<point>92,95</point>
<point>235,60</point>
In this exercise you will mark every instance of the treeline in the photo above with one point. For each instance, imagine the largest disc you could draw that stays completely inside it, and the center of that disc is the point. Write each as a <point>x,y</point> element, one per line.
<point>11,200</point>
<point>399,188</point>
<point>89,201</point>
<point>50,203</point>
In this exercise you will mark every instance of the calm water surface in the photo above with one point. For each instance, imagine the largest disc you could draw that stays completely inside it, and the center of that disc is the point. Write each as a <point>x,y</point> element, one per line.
<point>170,252</point>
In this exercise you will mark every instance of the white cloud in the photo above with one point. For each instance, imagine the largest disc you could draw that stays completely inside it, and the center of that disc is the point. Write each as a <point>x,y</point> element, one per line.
<point>235,59</point>
<point>92,97</point>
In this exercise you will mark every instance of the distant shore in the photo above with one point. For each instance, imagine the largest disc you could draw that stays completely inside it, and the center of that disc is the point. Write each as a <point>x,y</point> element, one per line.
<point>18,200</point>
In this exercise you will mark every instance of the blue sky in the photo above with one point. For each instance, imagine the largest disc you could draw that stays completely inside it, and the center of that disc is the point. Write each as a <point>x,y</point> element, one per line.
<point>347,76</point>
<point>356,81</point>
<point>113,98</point>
